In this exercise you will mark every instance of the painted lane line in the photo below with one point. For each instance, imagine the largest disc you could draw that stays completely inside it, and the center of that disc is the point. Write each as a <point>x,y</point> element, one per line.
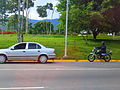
<point>19,88</point>
<point>60,69</point>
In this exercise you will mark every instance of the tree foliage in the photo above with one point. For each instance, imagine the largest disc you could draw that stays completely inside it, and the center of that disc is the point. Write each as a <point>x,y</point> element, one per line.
<point>3,12</point>
<point>87,15</point>
<point>42,10</point>
<point>42,27</point>
<point>78,15</point>
<point>97,24</point>
<point>12,5</point>
<point>13,22</point>
<point>112,18</point>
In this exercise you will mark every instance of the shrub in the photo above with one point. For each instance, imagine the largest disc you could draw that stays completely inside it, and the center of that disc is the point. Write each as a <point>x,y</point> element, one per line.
<point>7,32</point>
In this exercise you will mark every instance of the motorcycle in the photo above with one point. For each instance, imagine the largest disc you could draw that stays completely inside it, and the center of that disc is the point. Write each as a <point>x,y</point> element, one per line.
<point>96,55</point>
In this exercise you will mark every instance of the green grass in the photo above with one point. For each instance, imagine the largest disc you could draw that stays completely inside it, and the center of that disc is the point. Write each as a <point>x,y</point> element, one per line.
<point>77,48</point>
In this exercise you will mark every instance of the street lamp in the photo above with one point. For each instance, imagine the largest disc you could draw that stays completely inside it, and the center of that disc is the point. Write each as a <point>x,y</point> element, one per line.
<point>66,31</point>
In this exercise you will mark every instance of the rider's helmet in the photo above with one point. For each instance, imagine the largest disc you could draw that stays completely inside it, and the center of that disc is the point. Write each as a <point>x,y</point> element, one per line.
<point>103,42</point>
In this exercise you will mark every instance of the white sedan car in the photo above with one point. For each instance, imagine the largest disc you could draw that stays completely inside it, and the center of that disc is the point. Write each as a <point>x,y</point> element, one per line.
<point>27,51</point>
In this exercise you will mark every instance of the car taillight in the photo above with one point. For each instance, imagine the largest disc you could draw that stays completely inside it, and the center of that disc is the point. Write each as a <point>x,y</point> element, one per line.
<point>53,51</point>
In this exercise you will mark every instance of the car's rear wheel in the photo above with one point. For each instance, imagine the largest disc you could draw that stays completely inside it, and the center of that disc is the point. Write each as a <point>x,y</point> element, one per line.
<point>2,58</point>
<point>43,59</point>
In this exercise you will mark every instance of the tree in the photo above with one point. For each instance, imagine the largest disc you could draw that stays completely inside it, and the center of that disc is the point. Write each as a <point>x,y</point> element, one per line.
<point>107,21</point>
<point>86,14</point>
<point>112,18</point>
<point>30,27</point>
<point>40,27</point>
<point>12,22</point>
<point>13,8</point>
<point>12,5</point>
<point>61,28</point>
<point>3,13</point>
<point>98,20</point>
<point>97,24</point>
<point>78,15</point>
<point>42,10</point>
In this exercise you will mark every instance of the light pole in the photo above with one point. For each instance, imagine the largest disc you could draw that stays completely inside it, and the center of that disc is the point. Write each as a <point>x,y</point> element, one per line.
<point>66,31</point>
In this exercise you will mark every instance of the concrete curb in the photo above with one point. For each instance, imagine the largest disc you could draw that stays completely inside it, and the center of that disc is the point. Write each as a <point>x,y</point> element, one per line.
<point>64,61</point>
<point>82,60</point>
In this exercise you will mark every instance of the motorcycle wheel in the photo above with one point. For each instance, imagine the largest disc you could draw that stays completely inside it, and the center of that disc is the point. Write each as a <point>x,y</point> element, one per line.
<point>107,58</point>
<point>91,57</point>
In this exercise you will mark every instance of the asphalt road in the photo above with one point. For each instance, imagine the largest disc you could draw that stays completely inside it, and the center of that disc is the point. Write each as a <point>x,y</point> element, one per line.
<point>60,76</point>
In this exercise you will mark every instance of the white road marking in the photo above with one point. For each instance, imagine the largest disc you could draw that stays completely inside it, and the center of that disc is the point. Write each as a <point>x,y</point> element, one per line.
<point>61,69</point>
<point>19,88</point>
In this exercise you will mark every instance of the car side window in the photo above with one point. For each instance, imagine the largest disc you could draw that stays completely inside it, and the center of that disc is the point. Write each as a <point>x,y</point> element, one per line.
<point>38,46</point>
<point>20,46</point>
<point>33,46</point>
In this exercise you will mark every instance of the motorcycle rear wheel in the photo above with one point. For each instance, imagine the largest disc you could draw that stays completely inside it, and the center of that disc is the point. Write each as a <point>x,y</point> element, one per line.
<point>107,58</point>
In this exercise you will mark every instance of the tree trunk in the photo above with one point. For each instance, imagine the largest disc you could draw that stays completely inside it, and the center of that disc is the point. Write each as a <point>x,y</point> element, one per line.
<point>94,36</point>
<point>95,33</point>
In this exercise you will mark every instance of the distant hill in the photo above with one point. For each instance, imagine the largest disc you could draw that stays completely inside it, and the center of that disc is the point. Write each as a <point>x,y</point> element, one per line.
<point>54,21</point>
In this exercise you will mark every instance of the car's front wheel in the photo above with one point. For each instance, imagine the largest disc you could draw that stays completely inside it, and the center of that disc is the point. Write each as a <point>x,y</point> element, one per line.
<point>2,58</point>
<point>43,59</point>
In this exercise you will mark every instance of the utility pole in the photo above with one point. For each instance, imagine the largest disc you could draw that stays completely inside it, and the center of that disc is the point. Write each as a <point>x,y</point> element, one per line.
<point>66,31</point>
<point>18,29</point>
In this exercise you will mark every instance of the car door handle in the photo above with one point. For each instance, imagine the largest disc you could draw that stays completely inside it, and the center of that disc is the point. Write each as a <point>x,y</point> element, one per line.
<point>38,51</point>
<point>23,51</point>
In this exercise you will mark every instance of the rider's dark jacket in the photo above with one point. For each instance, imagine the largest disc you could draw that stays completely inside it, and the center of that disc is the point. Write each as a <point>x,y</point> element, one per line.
<point>102,48</point>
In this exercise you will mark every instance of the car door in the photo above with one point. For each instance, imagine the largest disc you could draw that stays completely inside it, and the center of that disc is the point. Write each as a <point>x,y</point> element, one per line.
<point>33,51</point>
<point>18,52</point>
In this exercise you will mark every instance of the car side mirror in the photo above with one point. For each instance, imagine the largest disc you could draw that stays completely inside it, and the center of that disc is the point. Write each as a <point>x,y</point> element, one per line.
<point>12,48</point>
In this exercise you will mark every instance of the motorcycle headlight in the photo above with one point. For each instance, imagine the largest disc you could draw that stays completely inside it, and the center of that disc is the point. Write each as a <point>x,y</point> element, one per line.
<point>111,52</point>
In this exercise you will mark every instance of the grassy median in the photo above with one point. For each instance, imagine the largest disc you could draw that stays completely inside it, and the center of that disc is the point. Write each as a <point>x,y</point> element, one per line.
<point>77,48</point>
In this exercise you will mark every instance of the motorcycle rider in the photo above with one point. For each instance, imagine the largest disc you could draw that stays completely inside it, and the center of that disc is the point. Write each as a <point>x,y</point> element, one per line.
<point>102,49</point>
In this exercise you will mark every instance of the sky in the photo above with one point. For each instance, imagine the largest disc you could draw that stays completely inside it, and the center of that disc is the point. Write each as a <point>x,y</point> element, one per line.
<point>34,15</point>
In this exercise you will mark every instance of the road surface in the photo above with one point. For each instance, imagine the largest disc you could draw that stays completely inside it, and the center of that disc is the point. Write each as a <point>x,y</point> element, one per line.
<point>60,76</point>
